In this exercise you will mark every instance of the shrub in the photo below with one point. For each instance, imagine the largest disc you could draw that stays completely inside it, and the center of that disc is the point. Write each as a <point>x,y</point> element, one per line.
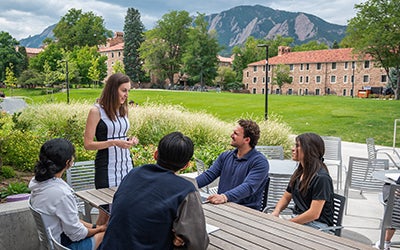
<point>149,122</point>
<point>14,188</point>
<point>7,172</point>
<point>21,149</point>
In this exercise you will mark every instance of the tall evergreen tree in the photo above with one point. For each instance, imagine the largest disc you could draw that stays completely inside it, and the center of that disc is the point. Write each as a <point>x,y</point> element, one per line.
<point>133,38</point>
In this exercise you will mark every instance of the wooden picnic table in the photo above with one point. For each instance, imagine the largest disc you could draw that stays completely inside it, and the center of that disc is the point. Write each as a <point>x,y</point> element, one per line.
<point>241,227</point>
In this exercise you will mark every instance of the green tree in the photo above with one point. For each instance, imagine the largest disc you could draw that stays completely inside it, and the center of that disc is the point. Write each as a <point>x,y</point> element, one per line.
<point>82,57</point>
<point>164,45</point>
<point>80,29</point>
<point>30,78</point>
<point>250,52</point>
<point>52,54</point>
<point>118,67</point>
<point>374,31</point>
<point>200,57</point>
<point>335,45</point>
<point>311,45</point>
<point>282,76</point>
<point>225,75</point>
<point>8,55</point>
<point>10,80</point>
<point>50,76</point>
<point>133,38</point>
<point>94,71</point>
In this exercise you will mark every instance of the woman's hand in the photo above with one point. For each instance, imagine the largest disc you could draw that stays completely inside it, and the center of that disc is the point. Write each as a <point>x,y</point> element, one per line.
<point>133,141</point>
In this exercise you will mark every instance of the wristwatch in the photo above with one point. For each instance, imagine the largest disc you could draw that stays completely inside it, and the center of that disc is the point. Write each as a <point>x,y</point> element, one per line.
<point>94,225</point>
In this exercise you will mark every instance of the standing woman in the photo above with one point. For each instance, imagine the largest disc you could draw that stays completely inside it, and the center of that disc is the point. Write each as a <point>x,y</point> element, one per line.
<point>310,186</point>
<point>55,199</point>
<point>108,123</point>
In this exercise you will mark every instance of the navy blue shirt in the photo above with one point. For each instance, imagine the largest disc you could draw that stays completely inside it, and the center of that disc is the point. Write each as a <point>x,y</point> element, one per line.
<point>149,205</point>
<point>242,180</point>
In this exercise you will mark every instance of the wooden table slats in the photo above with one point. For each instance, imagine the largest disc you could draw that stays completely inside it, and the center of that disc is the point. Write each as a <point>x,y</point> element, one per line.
<point>243,228</point>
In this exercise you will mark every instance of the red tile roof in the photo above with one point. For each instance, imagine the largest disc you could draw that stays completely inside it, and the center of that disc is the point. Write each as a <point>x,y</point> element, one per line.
<point>314,56</point>
<point>225,59</point>
<point>119,46</point>
<point>33,50</point>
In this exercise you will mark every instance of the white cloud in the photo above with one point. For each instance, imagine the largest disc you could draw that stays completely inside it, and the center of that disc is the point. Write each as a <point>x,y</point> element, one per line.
<point>22,18</point>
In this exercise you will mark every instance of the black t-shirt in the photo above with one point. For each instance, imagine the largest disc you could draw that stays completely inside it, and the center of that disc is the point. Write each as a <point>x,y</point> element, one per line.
<point>321,188</point>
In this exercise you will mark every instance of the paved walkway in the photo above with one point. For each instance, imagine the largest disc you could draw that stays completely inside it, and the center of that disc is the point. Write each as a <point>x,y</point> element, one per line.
<point>364,212</point>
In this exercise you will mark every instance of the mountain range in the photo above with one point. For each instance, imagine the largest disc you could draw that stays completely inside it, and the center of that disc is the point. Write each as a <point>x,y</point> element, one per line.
<point>235,25</point>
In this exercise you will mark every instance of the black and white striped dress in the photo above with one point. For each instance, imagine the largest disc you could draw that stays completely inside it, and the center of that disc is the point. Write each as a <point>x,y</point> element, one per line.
<point>113,163</point>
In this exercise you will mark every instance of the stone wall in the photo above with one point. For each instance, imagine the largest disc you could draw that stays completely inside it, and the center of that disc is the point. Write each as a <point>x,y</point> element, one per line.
<point>18,228</point>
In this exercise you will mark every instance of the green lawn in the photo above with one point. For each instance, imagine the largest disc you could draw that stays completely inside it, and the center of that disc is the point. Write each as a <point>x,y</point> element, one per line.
<point>351,119</point>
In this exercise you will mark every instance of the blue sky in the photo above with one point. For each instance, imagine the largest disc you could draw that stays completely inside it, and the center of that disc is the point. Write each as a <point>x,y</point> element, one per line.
<point>22,18</point>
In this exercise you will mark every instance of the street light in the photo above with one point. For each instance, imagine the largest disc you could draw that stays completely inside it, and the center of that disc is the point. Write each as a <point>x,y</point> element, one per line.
<point>352,81</point>
<point>66,78</point>
<point>266,79</point>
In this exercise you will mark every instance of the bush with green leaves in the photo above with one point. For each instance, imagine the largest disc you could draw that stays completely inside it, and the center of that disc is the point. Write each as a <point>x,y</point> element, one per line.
<point>149,122</point>
<point>7,172</point>
<point>14,188</point>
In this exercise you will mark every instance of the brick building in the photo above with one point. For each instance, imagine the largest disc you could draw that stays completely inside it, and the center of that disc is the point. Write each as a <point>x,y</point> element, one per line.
<point>319,72</point>
<point>114,50</point>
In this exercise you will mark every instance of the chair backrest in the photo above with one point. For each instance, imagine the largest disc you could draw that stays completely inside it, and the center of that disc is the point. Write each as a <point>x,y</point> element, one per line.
<point>44,239</point>
<point>56,244</point>
<point>277,186</point>
<point>371,148</point>
<point>359,175</point>
<point>272,152</point>
<point>81,175</point>
<point>200,166</point>
<point>212,188</point>
<point>333,148</point>
<point>391,216</point>
<point>339,202</point>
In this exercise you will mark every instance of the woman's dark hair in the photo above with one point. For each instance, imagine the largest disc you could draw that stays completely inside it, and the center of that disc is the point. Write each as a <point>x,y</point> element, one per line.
<point>313,148</point>
<point>251,130</point>
<point>174,151</point>
<point>109,98</point>
<point>53,158</point>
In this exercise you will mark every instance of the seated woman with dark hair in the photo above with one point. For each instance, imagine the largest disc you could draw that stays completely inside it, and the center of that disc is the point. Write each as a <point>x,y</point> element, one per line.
<point>55,199</point>
<point>310,186</point>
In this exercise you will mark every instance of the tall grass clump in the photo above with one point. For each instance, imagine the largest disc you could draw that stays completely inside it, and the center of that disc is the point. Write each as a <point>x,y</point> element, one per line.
<point>149,122</point>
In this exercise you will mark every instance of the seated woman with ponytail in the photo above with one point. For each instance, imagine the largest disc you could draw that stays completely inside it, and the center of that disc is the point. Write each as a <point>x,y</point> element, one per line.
<point>310,186</point>
<point>55,199</point>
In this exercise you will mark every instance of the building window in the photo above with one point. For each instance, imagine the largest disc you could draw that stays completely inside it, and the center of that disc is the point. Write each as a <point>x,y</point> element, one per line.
<point>345,79</point>
<point>383,78</point>
<point>317,92</point>
<point>366,78</point>
<point>306,92</point>
<point>254,91</point>
<point>291,67</point>
<point>291,78</point>
<point>269,79</point>
<point>307,66</point>
<point>254,79</point>
<point>263,79</point>
<point>346,65</point>
<point>119,53</point>
<point>301,66</point>
<point>254,68</point>
<point>290,91</point>
<point>301,79</point>
<point>328,91</point>
<point>306,79</point>
<point>333,79</point>
<point>333,65</point>
<point>112,54</point>
<point>264,66</point>
<point>247,73</point>
<point>344,92</point>
<point>300,91</point>
<point>277,91</point>
<point>366,65</point>
<point>318,79</point>
<point>318,66</point>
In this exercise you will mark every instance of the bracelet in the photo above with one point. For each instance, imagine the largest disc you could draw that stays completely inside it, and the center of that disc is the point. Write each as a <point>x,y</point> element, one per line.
<point>94,225</point>
<point>225,198</point>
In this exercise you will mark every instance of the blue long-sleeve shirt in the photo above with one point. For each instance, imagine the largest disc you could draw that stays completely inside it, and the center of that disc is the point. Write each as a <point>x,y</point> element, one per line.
<point>242,180</point>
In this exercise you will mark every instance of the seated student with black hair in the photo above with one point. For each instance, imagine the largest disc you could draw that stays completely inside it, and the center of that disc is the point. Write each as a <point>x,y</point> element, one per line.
<point>154,208</point>
<point>55,199</point>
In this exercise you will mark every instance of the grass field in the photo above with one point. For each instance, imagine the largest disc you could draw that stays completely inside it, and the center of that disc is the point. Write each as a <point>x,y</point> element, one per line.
<point>353,120</point>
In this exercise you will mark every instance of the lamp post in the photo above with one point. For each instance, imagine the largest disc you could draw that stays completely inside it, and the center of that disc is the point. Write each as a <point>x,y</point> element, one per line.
<point>66,79</point>
<point>352,80</point>
<point>266,79</point>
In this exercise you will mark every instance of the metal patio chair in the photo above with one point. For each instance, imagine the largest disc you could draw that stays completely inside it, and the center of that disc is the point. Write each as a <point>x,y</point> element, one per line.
<point>44,239</point>
<point>212,188</point>
<point>333,156</point>
<point>56,244</point>
<point>277,184</point>
<point>373,152</point>
<point>272,152</point>
<point>391,217</point>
